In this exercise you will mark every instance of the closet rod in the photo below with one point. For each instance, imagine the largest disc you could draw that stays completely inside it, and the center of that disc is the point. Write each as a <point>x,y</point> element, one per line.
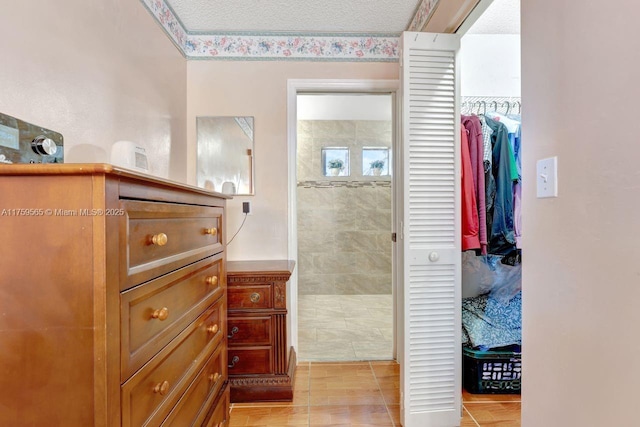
<point>483,104</point>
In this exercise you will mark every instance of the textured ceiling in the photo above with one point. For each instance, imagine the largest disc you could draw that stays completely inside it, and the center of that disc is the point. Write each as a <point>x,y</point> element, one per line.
<point>502,17</point>
<point>299,16</point>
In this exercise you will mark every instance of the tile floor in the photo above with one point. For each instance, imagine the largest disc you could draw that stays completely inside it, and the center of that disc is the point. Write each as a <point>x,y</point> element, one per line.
<point>360,394</point>
<point>345,327</point>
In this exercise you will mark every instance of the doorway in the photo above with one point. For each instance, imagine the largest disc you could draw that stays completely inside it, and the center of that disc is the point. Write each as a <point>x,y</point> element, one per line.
<point>344,175</point>
<point>341,221</point>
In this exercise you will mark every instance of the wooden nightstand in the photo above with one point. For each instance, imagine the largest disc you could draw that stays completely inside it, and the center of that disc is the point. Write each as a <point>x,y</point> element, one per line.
<point>261,366</point>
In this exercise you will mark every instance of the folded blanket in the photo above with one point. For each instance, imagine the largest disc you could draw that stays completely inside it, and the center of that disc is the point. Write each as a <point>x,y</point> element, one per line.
<point>488,323</point>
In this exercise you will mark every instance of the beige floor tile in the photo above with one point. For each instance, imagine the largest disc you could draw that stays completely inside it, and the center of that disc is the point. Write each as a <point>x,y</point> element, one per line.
<point>373,349</point>
<point>368,323</point>
<point>342,335</point>
<point>381,313</point>
<point>387,333</point>
<point>350,415</point>
<point>319,351</point>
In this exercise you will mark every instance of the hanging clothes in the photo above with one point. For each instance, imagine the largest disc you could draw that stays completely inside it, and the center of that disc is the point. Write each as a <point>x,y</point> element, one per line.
<point>476,149</point>
<point>486,140</point>
<point>470,223</point>
<point>500,220</point>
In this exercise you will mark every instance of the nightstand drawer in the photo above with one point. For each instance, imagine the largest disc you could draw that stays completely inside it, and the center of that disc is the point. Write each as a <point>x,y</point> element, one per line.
<point>154,313</point>
<point>256,360</point>
<point>249,330</point>
<point>200,394</point>
<point>149,395</point>
<point>252,296</point>
<point>161,237</point>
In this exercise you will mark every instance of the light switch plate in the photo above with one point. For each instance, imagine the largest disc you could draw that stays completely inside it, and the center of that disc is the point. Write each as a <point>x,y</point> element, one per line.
<point>547,177</point>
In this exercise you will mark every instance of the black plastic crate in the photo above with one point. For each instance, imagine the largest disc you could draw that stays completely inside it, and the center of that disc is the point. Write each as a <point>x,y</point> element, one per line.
<point>491,372</point>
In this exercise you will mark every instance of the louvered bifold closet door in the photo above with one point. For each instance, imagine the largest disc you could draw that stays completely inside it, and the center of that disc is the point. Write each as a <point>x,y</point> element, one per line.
<point>431,182</point>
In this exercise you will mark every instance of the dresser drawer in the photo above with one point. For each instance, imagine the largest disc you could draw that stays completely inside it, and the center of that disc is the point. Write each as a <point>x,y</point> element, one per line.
<point>161,237</point>
<point>192,407</point>
<point>154,313</point>
<point>256,360</point>
<point>249,330</point>
<point>252,296</point>
<point>220,413</point>
<point>149,395</point>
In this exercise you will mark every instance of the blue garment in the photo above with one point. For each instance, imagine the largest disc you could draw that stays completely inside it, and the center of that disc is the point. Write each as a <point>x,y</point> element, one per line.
<point>500,226</point>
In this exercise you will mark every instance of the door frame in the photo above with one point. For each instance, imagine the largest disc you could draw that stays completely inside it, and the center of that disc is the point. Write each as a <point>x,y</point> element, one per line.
<point>299,86</point>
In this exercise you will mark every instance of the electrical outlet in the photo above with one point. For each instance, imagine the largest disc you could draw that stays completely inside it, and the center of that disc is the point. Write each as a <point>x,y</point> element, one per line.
<point>246,208</point>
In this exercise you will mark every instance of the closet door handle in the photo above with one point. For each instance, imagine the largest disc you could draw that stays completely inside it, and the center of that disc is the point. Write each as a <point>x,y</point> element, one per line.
<point>434,256</point>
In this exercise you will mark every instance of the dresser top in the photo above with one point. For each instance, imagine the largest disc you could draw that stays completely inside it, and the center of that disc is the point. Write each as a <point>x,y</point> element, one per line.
<point>95,169</point>
<point>281,267</point>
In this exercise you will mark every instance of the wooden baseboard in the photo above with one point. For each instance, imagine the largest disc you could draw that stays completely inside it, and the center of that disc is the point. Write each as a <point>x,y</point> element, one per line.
<point>264,388</point>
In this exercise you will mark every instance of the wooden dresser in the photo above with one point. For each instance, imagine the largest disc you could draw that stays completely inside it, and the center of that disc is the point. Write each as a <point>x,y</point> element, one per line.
<point>112,299</point>
<point>261,364</point>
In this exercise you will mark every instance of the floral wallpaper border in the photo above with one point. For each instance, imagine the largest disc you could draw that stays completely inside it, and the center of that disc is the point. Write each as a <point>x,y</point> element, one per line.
<point>248,46</point>
<point>422,15</point>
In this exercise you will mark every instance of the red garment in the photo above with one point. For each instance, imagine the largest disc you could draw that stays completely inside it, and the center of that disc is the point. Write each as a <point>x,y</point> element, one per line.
<point>470,225</point>
<point>476,150</point>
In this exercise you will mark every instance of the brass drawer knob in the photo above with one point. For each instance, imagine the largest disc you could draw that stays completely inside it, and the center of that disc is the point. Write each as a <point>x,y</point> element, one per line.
<point>212,231</point>
<point>160,239</point>
<point>214,377</point>
<point>212,280</point>
<point>162,388</point>
<point>213,328</point>
<point>254,297</point>
<point>161,313</point>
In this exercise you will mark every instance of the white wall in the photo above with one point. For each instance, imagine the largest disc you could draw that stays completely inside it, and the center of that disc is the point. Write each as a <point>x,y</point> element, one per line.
<point>490,65</point>
<point>97,72</point>
<point>581,282</point>
<point>345,107</point>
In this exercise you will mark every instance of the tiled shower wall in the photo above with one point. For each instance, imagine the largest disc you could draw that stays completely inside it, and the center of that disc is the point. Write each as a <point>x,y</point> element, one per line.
<point>344,223</point>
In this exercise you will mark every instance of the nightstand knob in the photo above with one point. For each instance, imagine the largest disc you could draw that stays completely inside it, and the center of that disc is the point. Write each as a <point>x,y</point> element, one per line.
<point>234,360</point>
<point>160,239</point>
<point>214,377</point>
<point>212,231</point>
<point>254,297</point>
<point>212,280</point>
<point>213,328</point>
<point>234,331</point>
<point>162,388</point>
<point>161,314</point>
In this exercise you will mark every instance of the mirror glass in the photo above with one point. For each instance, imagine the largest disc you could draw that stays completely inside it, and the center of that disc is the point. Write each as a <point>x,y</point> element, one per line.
<point>225,154</point>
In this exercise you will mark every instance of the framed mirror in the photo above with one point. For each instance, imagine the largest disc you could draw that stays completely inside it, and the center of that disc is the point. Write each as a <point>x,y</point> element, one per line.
<point>225,154</point>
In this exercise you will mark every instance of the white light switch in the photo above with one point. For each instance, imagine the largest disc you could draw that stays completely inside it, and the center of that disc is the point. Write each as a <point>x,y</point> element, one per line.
<point>547,177</point>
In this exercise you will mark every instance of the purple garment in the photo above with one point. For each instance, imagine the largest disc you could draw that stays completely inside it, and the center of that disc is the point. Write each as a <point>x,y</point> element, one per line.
<point>476,150</point>
<point>517,213</point>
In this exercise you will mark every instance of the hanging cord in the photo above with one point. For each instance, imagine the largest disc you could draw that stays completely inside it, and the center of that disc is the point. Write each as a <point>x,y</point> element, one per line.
<point>240,228</point>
